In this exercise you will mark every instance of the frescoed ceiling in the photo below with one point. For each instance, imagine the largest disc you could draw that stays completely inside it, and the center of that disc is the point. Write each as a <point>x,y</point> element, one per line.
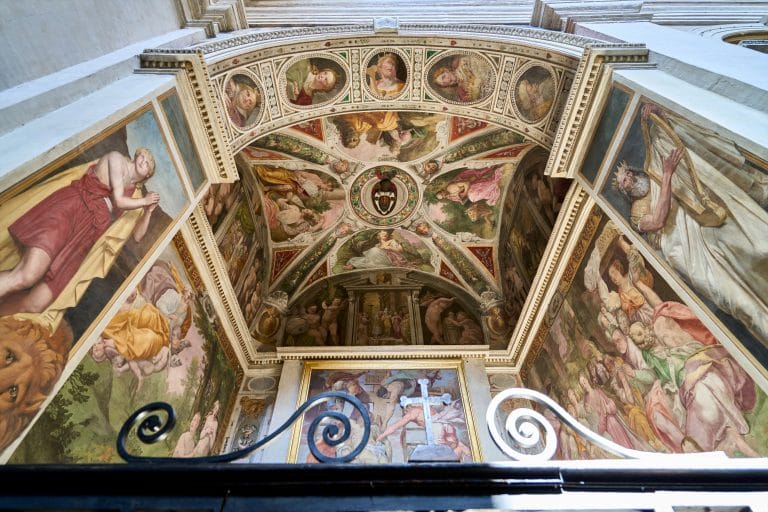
<point>335,210</point>
<point>388,226</point>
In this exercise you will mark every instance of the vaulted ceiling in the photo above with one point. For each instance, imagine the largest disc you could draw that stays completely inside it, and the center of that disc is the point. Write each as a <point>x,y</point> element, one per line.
<point>407,205</point>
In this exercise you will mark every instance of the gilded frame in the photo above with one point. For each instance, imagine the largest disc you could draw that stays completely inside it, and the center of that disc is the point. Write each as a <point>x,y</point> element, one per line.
<point>298,443</point>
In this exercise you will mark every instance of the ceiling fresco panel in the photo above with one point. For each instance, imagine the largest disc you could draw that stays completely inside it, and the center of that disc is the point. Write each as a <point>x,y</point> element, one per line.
<point>376,156</point>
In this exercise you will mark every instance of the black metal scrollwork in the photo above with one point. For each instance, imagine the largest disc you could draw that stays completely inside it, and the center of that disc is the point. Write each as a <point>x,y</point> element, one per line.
<point>336,429</point>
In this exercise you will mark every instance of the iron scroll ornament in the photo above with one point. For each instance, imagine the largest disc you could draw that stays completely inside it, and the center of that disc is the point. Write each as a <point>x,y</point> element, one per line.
<point>523,426</point>
<point>151,428</point>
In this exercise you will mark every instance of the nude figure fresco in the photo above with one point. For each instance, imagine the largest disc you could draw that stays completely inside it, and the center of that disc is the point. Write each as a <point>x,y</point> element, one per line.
<point>320,321</point>
<point>446,322</point>
<point>395,431</point>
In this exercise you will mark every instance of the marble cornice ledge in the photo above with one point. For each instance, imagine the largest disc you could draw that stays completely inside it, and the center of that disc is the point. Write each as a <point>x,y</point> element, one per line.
<point>559,41</point>
<point>370,353</point>
<point>565,15</point>
<point>213,16</point>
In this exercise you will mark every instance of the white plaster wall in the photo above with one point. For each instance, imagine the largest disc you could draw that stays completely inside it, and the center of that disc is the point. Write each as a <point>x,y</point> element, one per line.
<point>40,37</point>
<point>48,137</point>
<point>725,69</point>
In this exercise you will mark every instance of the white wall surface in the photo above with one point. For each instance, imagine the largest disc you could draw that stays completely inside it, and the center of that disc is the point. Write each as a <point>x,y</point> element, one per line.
<point>39,37</point>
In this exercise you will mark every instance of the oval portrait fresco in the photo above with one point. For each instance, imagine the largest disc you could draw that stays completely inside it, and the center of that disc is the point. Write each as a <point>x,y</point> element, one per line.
<point>384,248</point>
<point>386,75</point>
<point>313,81</point>
<point>242,100</point>
<point>462,78</point>
<point>534,93</point>
<point>382,136</point>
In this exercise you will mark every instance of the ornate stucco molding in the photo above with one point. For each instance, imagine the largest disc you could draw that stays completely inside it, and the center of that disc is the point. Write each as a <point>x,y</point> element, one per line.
<point>565,14</point>
<point>745,35</point>
<point>192,63</point>
<point>545,280</point>
<point>509,59</point>
<point>213,16</point>
<point>204,244</point>
<point>591,76</point>
<point>253,39</point>
<point>360,353</point>
<point>567,43</point>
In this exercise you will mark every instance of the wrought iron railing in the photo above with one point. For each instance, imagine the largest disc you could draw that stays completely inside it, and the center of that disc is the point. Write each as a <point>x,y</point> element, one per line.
<point>524,427</point>
<point>667,483</point>
<point>154,421</point>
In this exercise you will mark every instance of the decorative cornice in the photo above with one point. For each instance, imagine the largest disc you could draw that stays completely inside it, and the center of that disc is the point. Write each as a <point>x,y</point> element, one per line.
<point>567,14</point>
<point>726,32</point>
<point>553,256</point>
<point>283,35</point>
<point>378,353</point>
<point>581,100</point>
<point>574,261</point>
<point>529,34</point>
<point>206,244</point>
<point>192,63</point>
<point>568,43</point>
<point>213,16</point>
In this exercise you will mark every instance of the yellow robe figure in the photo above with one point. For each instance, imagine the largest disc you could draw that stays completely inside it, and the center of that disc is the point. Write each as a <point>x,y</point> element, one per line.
<point>139,333</point>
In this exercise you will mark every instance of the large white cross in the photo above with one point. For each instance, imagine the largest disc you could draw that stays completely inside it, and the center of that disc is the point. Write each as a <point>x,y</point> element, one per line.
<point>425,400</point>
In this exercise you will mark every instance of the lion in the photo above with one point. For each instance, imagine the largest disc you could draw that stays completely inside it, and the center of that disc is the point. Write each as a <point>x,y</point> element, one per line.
<point>31,362</point>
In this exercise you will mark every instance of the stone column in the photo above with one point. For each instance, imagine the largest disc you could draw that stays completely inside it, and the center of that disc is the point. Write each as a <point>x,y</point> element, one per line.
<point>285,405</point>
<point>479,397</point>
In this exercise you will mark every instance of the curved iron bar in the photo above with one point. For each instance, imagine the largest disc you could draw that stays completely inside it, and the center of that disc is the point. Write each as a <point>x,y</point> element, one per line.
<point>523,425</point>
<point>151,429</point>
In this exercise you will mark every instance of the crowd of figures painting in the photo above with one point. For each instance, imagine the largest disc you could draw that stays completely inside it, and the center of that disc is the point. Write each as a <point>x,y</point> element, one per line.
<point>395,431</point>
<point>629,360</point>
